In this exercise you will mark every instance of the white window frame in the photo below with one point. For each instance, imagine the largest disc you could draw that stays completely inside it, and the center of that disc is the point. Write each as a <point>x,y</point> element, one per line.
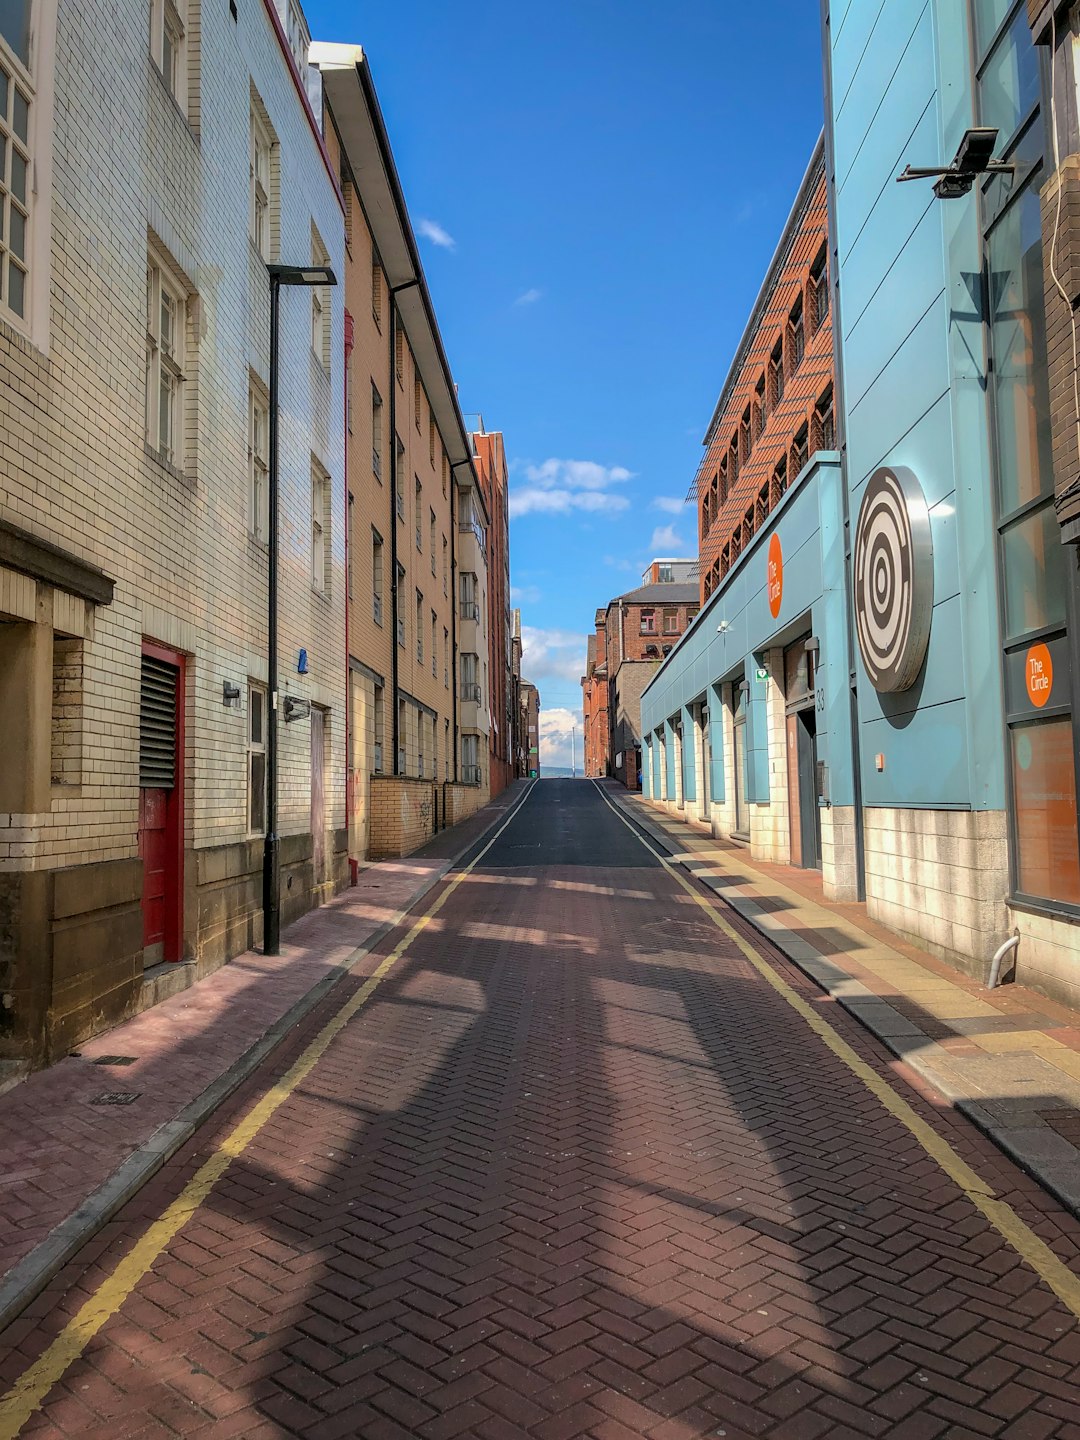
<point>320,305</point>
<point>166,355</point>
<point>320,506</point>
<point>260,182</point>
<point>18,114</point>
<point>419,628</point>
<point>258,462</point>
<point>256,747</point>
<point>377,561</point>
<point>168,22</point>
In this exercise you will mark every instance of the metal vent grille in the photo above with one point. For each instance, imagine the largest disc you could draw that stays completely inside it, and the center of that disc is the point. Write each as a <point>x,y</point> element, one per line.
<point>157,725</point>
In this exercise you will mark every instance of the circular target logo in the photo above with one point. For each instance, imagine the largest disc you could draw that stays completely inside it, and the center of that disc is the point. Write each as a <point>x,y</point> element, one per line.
<point>893,579</point>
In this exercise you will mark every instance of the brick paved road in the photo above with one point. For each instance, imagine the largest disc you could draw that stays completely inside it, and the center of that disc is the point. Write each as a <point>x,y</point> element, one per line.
<point>576,1170</point>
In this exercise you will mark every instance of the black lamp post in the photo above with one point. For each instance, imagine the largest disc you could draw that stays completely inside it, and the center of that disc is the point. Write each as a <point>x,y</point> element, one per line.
<point>279,275</point>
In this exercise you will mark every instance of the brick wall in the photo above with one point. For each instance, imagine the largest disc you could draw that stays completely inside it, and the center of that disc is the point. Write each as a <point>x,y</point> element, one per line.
<point>402,815</point>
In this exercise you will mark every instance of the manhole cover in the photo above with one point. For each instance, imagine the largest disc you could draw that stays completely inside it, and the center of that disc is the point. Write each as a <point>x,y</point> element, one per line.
<point>116,1097</point>
<point>115,1060</point>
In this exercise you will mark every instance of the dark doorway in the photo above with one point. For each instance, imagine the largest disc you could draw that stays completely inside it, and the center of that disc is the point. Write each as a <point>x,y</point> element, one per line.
<point>161,795</point>
<point>809,813</point>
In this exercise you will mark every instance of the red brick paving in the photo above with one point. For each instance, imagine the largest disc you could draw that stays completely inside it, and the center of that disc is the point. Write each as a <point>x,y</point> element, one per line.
<point>577,1171</point>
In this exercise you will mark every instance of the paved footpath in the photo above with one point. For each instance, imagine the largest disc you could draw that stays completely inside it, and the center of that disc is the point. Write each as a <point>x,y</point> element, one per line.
<point>576,1153</point>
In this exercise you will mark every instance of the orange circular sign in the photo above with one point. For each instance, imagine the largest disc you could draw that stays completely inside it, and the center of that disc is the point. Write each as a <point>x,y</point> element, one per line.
<point>775,582</point>
<point>1038,675</point>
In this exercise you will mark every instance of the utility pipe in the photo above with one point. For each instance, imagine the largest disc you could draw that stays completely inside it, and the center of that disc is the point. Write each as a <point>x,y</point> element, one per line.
<point>999,955</point>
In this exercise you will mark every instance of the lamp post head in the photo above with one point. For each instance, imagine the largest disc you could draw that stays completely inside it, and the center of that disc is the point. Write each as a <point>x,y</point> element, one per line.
<point>301,274</point>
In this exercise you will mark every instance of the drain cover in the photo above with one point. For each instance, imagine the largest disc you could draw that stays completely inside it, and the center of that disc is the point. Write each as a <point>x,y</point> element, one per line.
<point>116,1097</point>
<point>115,1060</point>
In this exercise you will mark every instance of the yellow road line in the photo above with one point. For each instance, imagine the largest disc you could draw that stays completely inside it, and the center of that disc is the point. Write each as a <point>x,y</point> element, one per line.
<point>999,1213</point>
<point>32,1387</point>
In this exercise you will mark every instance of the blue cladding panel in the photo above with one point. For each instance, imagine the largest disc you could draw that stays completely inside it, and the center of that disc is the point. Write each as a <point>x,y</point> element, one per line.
<point>669,748</point>
<point>689,731</point>
<point>901,40</point>
<point>716,746</point>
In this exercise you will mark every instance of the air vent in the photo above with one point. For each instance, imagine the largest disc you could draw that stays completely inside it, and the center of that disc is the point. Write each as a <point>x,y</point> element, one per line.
<point>157,725</point>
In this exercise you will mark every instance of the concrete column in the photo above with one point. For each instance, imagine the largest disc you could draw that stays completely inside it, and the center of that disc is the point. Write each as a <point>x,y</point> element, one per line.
<point>700,780</point>
<point>26,705</point>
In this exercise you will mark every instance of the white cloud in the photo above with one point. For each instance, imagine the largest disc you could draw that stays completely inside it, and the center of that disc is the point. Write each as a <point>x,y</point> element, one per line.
<point>528,297</point>
<point>524,594</point>
<point>557,744</point>
<point>670,504</point>
<point>552,655</point>
<point>433,231</point>
<point>557,487</point>
<point>620,562</point>
<point>667,541</point>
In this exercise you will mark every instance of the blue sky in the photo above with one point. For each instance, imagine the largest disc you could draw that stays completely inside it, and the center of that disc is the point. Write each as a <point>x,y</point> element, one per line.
<point>597,188</point>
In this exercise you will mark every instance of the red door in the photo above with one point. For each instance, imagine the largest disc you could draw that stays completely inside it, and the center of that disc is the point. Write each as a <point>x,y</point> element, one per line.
<point>161,792</point>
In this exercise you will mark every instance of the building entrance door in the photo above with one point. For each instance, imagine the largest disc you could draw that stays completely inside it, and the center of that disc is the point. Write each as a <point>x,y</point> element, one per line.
<point>318,796</point>
<point>742,813</point>
<point>161,791</point>
<point>805,815</point>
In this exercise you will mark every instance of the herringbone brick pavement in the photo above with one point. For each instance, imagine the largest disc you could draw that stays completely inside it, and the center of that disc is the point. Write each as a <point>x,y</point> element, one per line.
<point>576,1170</point>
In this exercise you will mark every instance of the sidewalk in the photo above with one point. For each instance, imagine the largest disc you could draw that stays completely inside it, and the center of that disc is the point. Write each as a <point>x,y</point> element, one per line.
<point>70,1161</point>
<point>1007,1058</point>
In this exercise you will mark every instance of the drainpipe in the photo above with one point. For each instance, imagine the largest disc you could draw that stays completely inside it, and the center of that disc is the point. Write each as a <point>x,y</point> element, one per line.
<point>453,616</point>
<point>349,779</point>
<point>999,955</point>
<point>841,441</point>
<point>394,481</point>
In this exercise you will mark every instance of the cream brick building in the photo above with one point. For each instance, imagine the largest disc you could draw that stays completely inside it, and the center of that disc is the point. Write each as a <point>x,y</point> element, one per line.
<point>134,373</point>
<point>413,504</point>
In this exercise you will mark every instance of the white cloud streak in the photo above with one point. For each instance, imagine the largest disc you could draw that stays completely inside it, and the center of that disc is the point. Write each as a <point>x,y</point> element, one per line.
<point>667,541</point>
<point>670,504</point>
<point>528,297</point>
<point>433,231</point>
<point>557,487</point>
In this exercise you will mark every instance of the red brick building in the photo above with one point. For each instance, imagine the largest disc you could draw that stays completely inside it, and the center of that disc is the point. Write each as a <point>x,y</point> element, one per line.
<point>776,408</point>
<point>494,484</point>
<point>633,633</point>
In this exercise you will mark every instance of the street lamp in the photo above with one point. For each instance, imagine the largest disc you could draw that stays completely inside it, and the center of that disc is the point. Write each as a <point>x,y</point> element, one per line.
<point>279,275</point>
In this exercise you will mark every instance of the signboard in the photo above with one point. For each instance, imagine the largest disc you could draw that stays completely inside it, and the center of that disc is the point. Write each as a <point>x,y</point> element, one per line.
<point>893,579</point>
<point>761,674</point>
<point>774,584</point>
<point>1033,677</point>
<point>1039,675</point>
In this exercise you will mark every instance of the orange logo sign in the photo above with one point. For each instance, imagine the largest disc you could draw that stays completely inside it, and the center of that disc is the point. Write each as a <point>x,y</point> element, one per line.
<point>1039,674</point>
<point>775,583</point>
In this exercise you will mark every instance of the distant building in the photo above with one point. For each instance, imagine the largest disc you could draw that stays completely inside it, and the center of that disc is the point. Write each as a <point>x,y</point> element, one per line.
<point>494,486</point>
<point>530,724</point>
<point>633,633</point>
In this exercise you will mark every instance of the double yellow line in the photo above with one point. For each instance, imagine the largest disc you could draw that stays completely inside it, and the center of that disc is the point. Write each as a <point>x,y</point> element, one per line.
<point>1001,1215</point>
<point>32,1387</point>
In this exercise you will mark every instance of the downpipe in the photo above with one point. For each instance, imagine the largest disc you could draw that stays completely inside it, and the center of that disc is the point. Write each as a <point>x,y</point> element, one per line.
<point>999,955</point>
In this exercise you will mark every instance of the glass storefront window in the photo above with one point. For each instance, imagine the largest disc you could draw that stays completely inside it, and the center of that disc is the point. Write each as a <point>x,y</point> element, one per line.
<point>989,15</point>
<point>1033,565</point>
<point>1044,791</point>
<point>1009,84</point>
<point>1018,336</point>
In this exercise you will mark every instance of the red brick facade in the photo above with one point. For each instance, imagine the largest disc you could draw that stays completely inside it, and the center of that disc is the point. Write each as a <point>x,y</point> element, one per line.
<point>777,405</point>
<point>494,483</point>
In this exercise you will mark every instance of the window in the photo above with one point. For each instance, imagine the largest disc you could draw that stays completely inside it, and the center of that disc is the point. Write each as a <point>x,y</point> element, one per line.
<point>431,438</point>
<point>1044,799</point>
<point>350,550</point>
<point>470,681</point>
<point>796,336</point>
<point>256,776</point>
<point>725,561</point>
<point>745,437</point>
<point>320,518</point>
<point>376,433</point>
<point>648,622</point>
<point>299,39</point>
<point>446,657</point>
<point>401,617</point>
<point>376,577</point>
<point>418,403</point>
<point>434,643</point>
<point>824,426</point>
<point>401,749</point>
<point>377,729</point>
<point>262,146</point>
<point>762,507</point>
<point>776,374</point>
<point>445,565</point>
<point>664,572</point>
<point>733,462</point>
<point>467,584</point>
<point>258,463</point>
<point>16,114</point>
<point>399,488</point>
<point>419,627</point>
<point>748,527</point>
<point>671,622</point>
<point>376,291</point>
<point>799,451</point>
<point>759,407</point>
<point>166,329</point>
<point>819,291</point>
<point>418,511</point>
<point>431,534</point>
<point>723,477</point>
<point>778,484</point>
<point>399,353</point>
<point>320,305</point>
<point>168,46</point>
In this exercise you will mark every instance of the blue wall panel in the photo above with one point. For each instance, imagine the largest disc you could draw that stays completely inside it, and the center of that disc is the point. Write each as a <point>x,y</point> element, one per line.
<point>689,783</point>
